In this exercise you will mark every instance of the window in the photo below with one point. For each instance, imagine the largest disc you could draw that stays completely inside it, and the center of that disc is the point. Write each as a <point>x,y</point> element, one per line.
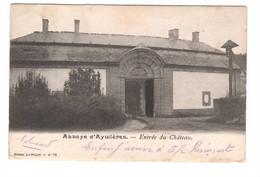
<point>206,99</point>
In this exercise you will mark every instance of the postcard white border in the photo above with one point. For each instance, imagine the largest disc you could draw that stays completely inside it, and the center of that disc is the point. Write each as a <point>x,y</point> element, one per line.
<point>66,168</point>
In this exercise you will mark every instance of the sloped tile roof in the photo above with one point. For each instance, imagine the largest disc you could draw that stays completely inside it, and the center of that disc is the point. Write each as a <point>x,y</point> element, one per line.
<point>112,54</point>
<point>176,52</point>
<point>115,39</point>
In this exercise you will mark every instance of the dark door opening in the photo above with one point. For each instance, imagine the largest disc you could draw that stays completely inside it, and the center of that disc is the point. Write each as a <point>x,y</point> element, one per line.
<point>149,102</point>
<point>132,97</point>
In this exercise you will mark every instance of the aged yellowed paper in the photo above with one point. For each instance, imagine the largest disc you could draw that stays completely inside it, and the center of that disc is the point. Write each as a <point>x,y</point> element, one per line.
<point>128,83</point>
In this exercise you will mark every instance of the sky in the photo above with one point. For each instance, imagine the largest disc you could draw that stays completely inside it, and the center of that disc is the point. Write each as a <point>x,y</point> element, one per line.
<point>215,24</point>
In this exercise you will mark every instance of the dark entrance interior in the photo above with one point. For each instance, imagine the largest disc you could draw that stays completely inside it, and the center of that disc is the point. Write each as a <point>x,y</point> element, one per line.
<point>149,97</point>
<point>133,96</point>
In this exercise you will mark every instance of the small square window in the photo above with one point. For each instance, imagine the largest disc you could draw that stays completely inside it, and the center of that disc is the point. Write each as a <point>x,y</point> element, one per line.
<point>206,99</point>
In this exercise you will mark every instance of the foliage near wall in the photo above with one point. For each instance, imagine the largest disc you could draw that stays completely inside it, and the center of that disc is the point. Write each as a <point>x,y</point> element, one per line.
<point>33,108</point>
<point>31,85</point>
<point>65,113</point>
<point>83,82</point>
<point>229,110</point>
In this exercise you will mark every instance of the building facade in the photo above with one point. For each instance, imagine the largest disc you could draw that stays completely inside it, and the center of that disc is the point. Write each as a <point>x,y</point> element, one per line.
<point>151,76</point>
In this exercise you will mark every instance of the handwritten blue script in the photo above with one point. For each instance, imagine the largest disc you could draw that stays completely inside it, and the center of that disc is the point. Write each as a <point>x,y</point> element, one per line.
<point>199,147</point>
<point>31,142</point>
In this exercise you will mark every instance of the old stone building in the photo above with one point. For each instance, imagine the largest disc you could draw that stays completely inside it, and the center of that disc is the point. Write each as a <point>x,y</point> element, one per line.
<point>154,76</point>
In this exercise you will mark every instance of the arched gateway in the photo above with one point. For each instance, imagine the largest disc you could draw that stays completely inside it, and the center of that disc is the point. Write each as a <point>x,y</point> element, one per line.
<point>141,71</point>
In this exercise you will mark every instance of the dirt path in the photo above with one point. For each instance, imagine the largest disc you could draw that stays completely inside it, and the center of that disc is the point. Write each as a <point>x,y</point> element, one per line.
<point>192,124</point>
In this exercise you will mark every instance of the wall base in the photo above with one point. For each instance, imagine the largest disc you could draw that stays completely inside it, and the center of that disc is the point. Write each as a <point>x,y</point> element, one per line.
<point>189,113</point>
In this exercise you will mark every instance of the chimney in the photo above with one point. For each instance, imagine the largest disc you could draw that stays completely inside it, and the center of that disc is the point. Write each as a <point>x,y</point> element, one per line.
<point>195,36</point>
<point>76,26</point>
<point>174,34</point>
<point>45,25</point>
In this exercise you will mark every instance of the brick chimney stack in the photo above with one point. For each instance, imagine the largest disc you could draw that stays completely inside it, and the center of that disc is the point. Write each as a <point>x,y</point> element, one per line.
<point>45,25</point>
<point>196,36</point>
<point>76,26</point>
<point>174,34</point>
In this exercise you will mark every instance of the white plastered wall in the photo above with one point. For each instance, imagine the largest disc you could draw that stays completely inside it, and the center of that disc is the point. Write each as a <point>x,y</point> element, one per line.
<point>188,88</point>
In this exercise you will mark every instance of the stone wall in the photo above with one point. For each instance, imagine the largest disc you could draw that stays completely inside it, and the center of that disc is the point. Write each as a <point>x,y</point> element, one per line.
<point>113,84</point>
<point>67,53</point>
<point>167,92</point>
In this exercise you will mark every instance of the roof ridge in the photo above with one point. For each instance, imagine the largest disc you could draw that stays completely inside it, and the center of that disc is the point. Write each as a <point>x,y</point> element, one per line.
<point>151,41</point>
<point>130,35</point>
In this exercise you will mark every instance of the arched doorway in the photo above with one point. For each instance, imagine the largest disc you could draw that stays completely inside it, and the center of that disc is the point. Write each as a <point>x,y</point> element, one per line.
<point>141,72</point>
<point>139,91</point>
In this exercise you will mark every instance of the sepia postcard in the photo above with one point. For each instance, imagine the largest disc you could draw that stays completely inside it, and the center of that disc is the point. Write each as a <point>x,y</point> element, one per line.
<point>128,83</point>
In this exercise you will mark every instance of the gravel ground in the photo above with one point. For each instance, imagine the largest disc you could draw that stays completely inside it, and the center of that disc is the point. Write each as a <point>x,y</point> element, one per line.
<point>192,124</point>
<point>131,125</point>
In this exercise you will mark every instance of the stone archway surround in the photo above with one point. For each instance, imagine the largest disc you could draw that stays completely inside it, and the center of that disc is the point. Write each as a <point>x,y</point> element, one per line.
<point>141,63</point>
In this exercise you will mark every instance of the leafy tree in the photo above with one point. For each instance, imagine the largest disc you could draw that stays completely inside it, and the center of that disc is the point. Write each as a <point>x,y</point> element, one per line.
<point>83,82</point>
<point>32,85</point>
